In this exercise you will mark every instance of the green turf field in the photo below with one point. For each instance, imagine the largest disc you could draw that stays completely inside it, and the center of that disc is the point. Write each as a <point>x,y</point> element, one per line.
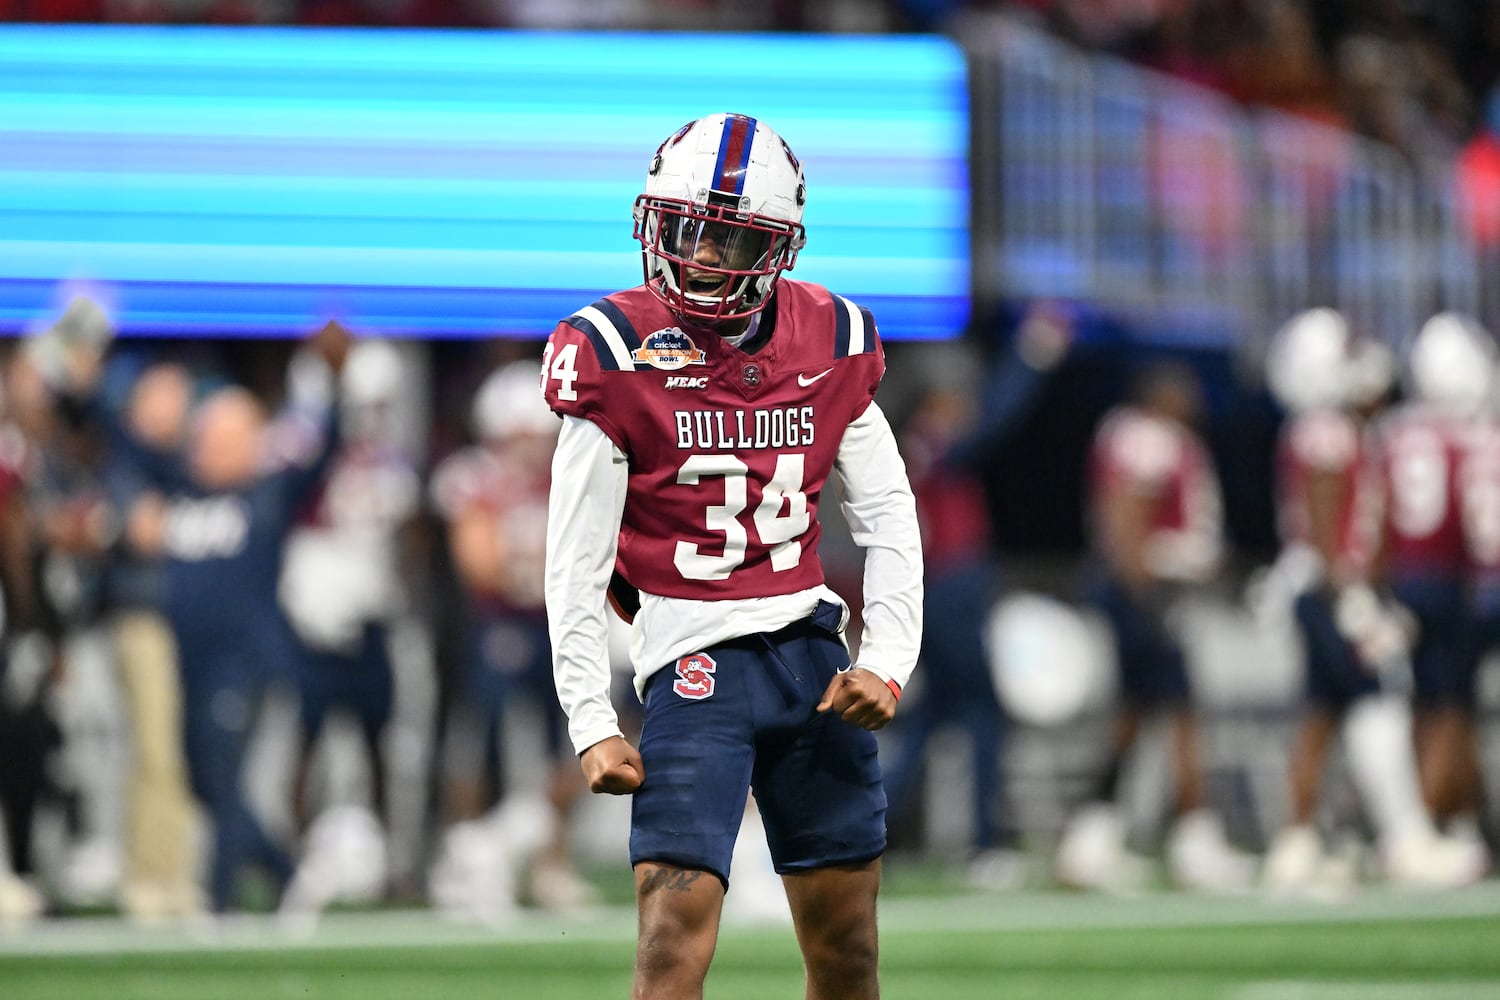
<point>1044,945</point>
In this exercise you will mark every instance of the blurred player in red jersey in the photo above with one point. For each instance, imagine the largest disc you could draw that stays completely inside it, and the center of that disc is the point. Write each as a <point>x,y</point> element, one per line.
<point>1426,441</point>
<point>703,413</point>
<point>1480,477</point>
<point>1157,521</point>
<point>1355,643</point>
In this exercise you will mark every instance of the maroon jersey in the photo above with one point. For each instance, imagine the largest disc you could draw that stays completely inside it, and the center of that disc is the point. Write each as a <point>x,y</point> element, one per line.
<point>1331,443</point>
<point>728,451</point>
<point>1479,481</point>
<point>1137,452</point>
<point>513,494</point>
<point>369,487</point>
<point>1423,452</point>
<point>952,508</point>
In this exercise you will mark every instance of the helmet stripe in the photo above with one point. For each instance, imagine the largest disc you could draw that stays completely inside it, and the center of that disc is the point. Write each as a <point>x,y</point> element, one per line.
<point>734,154</point>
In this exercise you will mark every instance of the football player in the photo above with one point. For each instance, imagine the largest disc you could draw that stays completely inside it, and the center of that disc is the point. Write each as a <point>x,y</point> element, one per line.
<point>341,589</point>
<point>1354,642</point>
<point>703,413</point>
<point>1157,514</point>
<point>1451,369</point>
<point>493,497</point>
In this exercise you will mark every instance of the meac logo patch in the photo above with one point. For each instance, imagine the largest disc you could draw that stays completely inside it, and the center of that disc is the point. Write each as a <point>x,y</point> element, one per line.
<point>695,676</point>
<point>668,350</point>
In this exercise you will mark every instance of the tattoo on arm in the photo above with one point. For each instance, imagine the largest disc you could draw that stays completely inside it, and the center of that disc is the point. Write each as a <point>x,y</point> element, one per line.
<point>670,879</point>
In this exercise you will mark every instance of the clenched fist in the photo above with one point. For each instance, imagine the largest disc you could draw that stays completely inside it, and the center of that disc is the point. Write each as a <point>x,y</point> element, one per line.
<point>860,697</point>
<point>613,767</point>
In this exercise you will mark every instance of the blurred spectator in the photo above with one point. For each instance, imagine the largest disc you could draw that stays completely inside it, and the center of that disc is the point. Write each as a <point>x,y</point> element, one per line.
<point>1479,178</point>
<point>160,876</point>
<point>341,587</point>
<point>1278,62</point>
<point>946,442</point>
<point>1189,41</point>
<point>1156,514</point>
<point>219,521</point>
<point>493,496</point>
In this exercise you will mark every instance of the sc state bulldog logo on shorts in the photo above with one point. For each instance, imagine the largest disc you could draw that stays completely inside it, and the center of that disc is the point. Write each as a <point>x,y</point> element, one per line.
<point>695,676</point>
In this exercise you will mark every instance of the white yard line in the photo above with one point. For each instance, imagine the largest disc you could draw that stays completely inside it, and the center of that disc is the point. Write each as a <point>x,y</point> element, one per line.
<point>997,912</point>
<point>1300,990</point>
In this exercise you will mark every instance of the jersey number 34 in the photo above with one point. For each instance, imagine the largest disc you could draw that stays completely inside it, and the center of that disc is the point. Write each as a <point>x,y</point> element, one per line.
<point>781,518</point>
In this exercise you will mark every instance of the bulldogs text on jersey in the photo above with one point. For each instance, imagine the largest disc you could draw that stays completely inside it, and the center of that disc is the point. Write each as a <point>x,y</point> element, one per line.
<point>724,484</point>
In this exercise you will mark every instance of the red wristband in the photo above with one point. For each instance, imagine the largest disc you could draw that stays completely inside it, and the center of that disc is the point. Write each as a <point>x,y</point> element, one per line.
<point>895,689</point>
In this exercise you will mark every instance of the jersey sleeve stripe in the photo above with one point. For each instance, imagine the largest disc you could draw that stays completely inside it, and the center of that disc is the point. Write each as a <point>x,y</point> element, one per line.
<point>608,345</point>
<point>849,328</point>
<point>620,322</point>
<point>840,328</point>
<point>868,340</point>
<point>606,357</point>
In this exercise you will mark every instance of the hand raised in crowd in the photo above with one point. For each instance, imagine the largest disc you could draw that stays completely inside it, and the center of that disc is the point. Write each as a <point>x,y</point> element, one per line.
<point>333,341</point>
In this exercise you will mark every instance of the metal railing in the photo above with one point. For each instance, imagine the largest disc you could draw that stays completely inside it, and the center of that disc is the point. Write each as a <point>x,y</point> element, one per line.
<point>1095,179</point>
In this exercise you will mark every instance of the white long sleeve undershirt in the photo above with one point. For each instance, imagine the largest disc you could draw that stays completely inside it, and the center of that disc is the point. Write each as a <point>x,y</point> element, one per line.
<point>589,479</point>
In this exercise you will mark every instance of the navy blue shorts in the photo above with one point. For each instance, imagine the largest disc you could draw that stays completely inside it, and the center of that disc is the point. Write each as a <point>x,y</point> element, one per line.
<point>359,681</point>
<point>741,715</point>
<point>511,663</point>
<point>1153,669</point>
<point>1445,659</point>
<point>1336,677</point>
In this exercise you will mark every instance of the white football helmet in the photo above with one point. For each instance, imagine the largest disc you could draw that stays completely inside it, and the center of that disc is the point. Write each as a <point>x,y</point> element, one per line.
<point>372,374</point>
<point>510,403</point>
<point>1452,363</point>
<point>372,388</point>
<point>721,217</point>
<point>1308,365</point>
<point>1372,372</point>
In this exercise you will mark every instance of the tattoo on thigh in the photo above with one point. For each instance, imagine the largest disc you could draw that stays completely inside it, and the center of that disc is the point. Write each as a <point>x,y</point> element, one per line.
<point>670,879</point>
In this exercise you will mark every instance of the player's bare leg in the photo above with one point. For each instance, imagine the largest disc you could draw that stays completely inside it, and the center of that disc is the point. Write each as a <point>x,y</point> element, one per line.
<point>1308,757</point>
<point>1188,750</point>
<point>1470,795</point>
<point>679,927</point>
<point>833,910</point>
<point>1440,758</point>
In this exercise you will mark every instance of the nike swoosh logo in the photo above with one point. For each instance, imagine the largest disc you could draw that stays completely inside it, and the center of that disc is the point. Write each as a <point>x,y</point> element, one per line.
<point>804,381</point>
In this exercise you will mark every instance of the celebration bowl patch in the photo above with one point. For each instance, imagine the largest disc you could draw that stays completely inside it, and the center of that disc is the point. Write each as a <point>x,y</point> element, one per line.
<point>669,350</point>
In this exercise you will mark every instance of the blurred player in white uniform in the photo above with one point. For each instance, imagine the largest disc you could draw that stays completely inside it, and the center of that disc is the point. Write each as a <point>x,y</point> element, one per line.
<point>704,411</point>
<point>1355,643</point>
<point>341,587</point>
